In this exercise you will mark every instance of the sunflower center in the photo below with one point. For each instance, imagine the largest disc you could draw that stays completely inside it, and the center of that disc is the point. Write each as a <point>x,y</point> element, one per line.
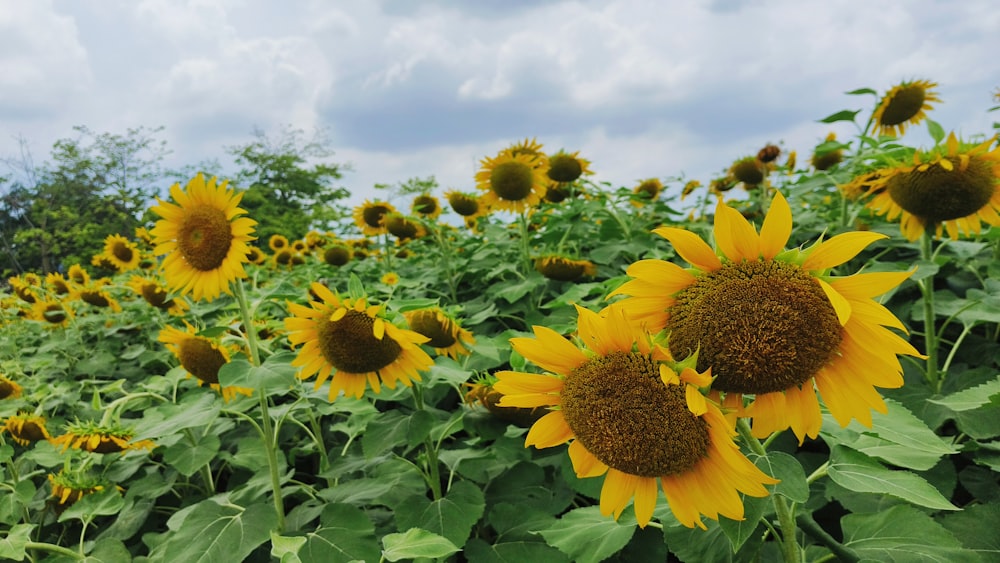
<point>154,295</point>
<point>95,298</point>
<point>399,227</point>
<point>564,168</point>
<point>427,323</point>
<point>54,313</point>
<point>349,344</point>
<point>425,205</point>
<point>559,269</point>
<point>903,105</point>
<point>748,171</point>
<point>373,214</point>
<point>463,205</point>
<point>283,258</point>
<point>205,238</point>
<point>621,411</point>
<point>337,256</point>
<point>59,287</point>
<point>121,251</point>
<point>30,431</point>
<point>936,194</point>
<point>201,359</point>
<point>762,326</point>
<point>511,181</point>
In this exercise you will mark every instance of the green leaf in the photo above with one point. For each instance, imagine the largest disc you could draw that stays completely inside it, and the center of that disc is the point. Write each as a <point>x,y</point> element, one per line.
<point>511,292</point>
<point>13,542</point>
<point>393,428</point>
<point>785,467</point>
<point>843,115</point>
<point>355,289</point>
<point>195,409</point>
<point>739,531</point>
<point>587,536</point>
<point>345,534</point>
<point>101,503</point>
<point>935,130</point>
<point>972,398</point>
<point>857,472</point>
<point>513,552</point>
<point>188,458</point>
<point>452,516</point>
<point>976,527</point>
<point>861,91</point>
<point>108,550</point>
<point>514,522</point>
<point>217,533</point>
<point>902,533</point>
<point>286,548</point>
<point>275,375</point>
<point>416,543</point>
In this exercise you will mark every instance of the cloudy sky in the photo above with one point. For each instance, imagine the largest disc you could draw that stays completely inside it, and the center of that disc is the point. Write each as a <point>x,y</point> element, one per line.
<point>406,88</point>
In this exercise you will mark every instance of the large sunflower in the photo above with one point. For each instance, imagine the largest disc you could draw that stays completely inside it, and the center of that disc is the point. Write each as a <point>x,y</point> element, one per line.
<point>511,182</point>
<point>348,338</point>
<point>201,357</point>
<point>956,190</point>
<point>370,217</point>
<point>632,417</point>
<point>204,238</point>
<point>445,335</point>
<point>904,104</point>
<point>772,323</point>
<point>123,253</point>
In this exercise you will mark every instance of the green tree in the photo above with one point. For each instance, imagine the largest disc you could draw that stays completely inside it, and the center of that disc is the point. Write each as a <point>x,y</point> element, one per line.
<point>288,183</point>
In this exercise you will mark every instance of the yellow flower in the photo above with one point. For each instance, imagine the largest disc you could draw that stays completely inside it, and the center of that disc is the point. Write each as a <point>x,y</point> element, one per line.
<point>646,191</point>
<point>67,488</point>
<point>748,170</point>
<point>92,294</point>
<point>390,278</point>
<point>26,429</point>
<point>122,252</point>
<point>9,389</point>
<point>57,284</point>
<point>78,275</point>
<point>370,217</point>
<point>426,206</point>
<point>201,357</point>
<point>906,103</point>
<point>567,167</point>
<point>97,438</point>
<point>445,335</point>
<point>204,238</point>
<point>956,191</point>
<point>772,323</point>
<point>511,183</point>
<point>631,416</point>
<point>22,289</point>
<point>156,295</point>
<point>561,268</point>
<point>827,158</point>
<point>531,148</point>
<point>256,256</point>
<point>337,255</point>
<point>403,227</point>
<point>465,204</point>
<point>277,242</point>
<point>348,338</point>
<point>52,311</point>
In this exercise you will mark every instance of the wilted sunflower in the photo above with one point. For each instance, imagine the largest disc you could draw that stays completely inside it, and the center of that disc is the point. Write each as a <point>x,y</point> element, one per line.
<point>52,311</point>
<point>772,322</point>
<point>956,190</point>
<point>201,357</point>
<point>26,429</point>
<point>721,185</point>
<point>567,167</point>
<point>67,488</point>
<point>157,295</point>
<point>337,255</point>
<point>511,183</point>
<point>689,188</point>
<point>57,284</point>
<point>446,336</point>
<point>103,262</point>
<point>123,253</point>
<point>905,104</point>
<point>370,217</point>
<point>632,416</point>
<point>561,268</point>
<point>204,238</point>
<point>93,437</point>
<point>769,153</point>
<point>349,339</point>
<point>93,295</point>
<point>9,389</point>
<point>791,162</point>
<point>465,204</point>
<point>828,154</point>
<point>426,206</point>
<point>277,242</point>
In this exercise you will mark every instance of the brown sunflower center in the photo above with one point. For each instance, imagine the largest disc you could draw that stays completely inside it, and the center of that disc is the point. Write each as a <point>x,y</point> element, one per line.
<point>349,344</point>
<point>936,194</point>
<point>54,313</point>
<point>905,104</point>
<point>463,204</point>
<point>95,298</point>
<point>441,332</point>
<point>121,251</point>
<point>106,445</point>
<point>762,326</point>
<point>283,258</point>
<point>373,215</point>
<point>621,411</point>
<point>29,431</point>
<point>201,358</point>
<point>7,389</point>
<point>649,189</point>
<point>560,269</point>
<point>425,205</point>
<point>564,168</point>
<point>337,256</point>
<point>154,295</point>
<point>512,181</point>
<point>748,171</point>
<point>205,238</point>
<point>399,227</point>
<point>59,287</point>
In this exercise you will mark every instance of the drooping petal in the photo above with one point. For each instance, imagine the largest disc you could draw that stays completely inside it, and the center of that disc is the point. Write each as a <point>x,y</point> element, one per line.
<point>585,464</point>
<point>619,488</point>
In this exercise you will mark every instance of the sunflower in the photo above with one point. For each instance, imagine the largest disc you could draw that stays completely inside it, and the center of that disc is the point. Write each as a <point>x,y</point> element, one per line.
<point>300,247</point>
<point>67,488</point>
<point>791,162</point>
<point>283,258</point>
<point>337,255</point>
<point>634,417</point>
<point>78,275</point>
<point>403,227</point>
<point>203,237</point>
<point>26,429</point>
<point>92,294</point>
<point>256,256</point>
<point>52,311</point>
<point>157,295</point>
<point>561,268</point>
<point>528,147</point>
<point>956,191</point>
<point>567,167</point>
<point>57,284</point>
<point>370,217</point>
<point>99,438</point>
<point>426,206</point>
<point>348,338</point>
<point>23,290</point>
<point>142,233</point>
<point>446,336</point>
<point>689,188</point>
<point>121,252</point>
<point>278,242</point>
<point>772,323</point>
<point>465,204</point>
<point>769,153</point>
<point>905,104</point>
<point>827,156</point>
<point>9,389</point>
<point>201,358</point>
<point>481,391</point>
<point>511,183</point>
<point>103,262</point>
<point>748,170</point>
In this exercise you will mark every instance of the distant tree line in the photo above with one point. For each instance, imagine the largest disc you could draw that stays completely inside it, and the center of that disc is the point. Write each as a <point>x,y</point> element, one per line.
<point>57,213</point>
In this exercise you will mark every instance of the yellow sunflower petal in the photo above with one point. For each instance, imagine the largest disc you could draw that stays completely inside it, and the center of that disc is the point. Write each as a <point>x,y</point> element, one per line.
<point>691,248</point>
<point>646,492</point>
<point>840,304</point>
<point>619,488</point>
<point>777,227</point>
<point>550,430</point>
<point>584,463</point>
<point>866,286</point>
<point>840,249</point>
<point>734,235</point>
<point>549,350</point>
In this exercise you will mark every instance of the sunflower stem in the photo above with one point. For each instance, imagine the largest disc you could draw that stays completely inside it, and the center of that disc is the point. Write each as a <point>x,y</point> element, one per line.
<point>810,527</point>
<point>267,430</point>
<point>930,330</point>
<point>52,548</point>
<point>206,470</point>
<point>786,514</point>
<point>432,474</point>
<point>522,222</point>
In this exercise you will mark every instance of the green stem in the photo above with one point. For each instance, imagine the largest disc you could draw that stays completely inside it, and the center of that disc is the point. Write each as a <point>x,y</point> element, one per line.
<point>809,526</point>
<point>522,223</point>
<point>267,431</point>
<point>930,330</point>
<point>53,549</point>
<point>432,475</point>
<point>820,472</point>
<point>445,249</point>
<point>206,470</point>
<point>786,514</point>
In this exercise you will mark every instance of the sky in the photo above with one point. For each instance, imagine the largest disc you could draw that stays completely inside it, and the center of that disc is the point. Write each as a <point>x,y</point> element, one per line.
<point>408,88</point>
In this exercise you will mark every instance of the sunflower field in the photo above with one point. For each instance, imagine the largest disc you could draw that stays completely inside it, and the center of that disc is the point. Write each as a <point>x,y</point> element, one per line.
<point>795,361</point>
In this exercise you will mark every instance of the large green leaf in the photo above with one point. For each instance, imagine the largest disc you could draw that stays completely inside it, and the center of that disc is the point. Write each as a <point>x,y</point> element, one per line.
<point>904,534</point>
<point>14,540</point>
<point>513,552</point>
<point>275,375</point>
<point>188,458</point>
<point>393,429</point>
<point>976,527</point>
<point>108,550</point>
<point>782,466</point>
<point>216,533</point>
<point>345,534</point>
<point>587,536</point>
<point>195,409</point>
<point>452,516</point>
<point>857,472</point>
<point>101,503</point>
<point>416,543</point>
<point>972,398</point>
<point>739,531</point>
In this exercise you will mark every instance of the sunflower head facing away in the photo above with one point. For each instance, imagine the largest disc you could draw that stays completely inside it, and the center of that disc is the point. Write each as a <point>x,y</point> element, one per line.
<point>9,389</point>
<point>567,167</point>
<point>511,183</point>
<point>201,357</point>
<point>426,206</point>
<point>204,238</point>
<point>69,487</point>
<point>633,416</point>
<point>561,268</point>
<point>403,227</point>
<point>26,429</point>
<point>748,170</point>
<point>465,204</point>
<point>904,104</point>
<point>444,333</point>
<point>157,295</point>
<point>352,341</point>
<point>337,255</point>
<point>647,190</point>
<point>773,323</point>
<point>956,188</point>
<point>528,147</point>
<point>99,438</point>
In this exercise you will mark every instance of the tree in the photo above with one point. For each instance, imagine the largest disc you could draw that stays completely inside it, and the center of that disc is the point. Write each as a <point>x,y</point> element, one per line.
<point>288,183</point>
